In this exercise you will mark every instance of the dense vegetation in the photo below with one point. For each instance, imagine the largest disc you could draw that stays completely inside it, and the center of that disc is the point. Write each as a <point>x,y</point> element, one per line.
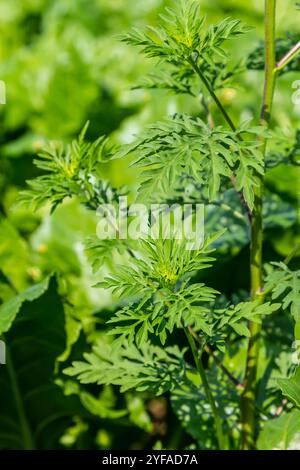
<point>124,343</point>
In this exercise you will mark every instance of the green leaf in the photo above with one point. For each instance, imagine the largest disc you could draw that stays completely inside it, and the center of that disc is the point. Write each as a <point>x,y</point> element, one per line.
<point>186,146</point>
<point>283,45</point>
<point>235,316</point>
<point>138,412</point>
<point>101,406</point>
<point>190,405</point>
<point>73,328</point>
<point>194,416</point>
<point>158,283</point>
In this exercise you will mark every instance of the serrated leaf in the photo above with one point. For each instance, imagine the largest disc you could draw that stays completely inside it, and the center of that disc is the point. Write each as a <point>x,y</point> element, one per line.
<point>147,368</point>
<point>33,410</point>
<point>240,329</point>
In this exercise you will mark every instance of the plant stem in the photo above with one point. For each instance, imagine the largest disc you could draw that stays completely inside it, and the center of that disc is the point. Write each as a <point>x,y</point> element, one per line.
<point>249,394</point>
<point>293,253</point>
<point>207,389</point>
<point>286,59</point>
<point>27,438</point>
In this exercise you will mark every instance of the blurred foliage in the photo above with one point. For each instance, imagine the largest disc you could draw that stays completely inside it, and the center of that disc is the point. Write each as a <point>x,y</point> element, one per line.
<point>63,65</point>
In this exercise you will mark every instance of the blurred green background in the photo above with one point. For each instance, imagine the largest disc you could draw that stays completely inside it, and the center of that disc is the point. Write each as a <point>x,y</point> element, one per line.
<point>63,64</point>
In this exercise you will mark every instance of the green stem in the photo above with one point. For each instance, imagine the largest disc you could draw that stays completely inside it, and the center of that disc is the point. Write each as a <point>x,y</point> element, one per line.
<point>207,389</point>
<point>250,382</point>
<point>27,438</point>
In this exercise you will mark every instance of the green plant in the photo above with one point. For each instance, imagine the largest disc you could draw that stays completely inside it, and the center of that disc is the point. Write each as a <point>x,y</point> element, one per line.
<point>171,332</point>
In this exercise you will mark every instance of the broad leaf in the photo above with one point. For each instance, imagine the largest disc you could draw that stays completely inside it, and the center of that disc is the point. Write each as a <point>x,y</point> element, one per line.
<point>291,387</point>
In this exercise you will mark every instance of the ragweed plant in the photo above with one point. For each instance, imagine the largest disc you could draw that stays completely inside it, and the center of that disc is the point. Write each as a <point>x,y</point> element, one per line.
<point>171,332</point>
